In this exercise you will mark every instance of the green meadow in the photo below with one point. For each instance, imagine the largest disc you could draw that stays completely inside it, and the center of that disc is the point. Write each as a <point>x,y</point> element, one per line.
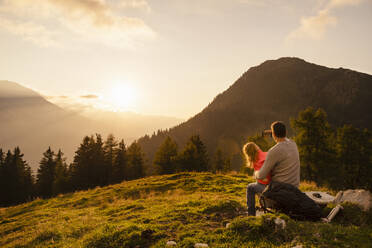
<point>187,208</point>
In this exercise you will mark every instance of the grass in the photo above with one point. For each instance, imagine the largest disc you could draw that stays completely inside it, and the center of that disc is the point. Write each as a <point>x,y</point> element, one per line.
<point>188,208</point>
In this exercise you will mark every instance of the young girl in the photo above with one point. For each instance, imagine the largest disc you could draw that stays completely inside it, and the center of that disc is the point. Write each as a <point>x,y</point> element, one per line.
<point>255,159</point>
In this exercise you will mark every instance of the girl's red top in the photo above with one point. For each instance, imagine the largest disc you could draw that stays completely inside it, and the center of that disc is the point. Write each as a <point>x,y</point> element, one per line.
<point>261,156</point>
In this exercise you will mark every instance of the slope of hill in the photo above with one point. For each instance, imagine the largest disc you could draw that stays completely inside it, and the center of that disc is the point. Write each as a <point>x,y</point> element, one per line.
<point>33,123</point>
<point>274,90</point>
<point>188,208</point>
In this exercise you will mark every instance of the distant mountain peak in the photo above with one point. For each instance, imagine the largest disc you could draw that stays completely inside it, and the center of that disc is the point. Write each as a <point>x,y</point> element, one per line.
<point>275,90</point>
<point>12,89</point>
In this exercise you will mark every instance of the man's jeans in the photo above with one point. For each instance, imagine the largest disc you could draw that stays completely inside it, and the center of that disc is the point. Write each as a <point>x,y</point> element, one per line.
<point>252,190</point>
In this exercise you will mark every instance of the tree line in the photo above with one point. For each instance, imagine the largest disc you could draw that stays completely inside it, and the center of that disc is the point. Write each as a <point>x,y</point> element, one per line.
<point>193,157</point>
<point>97,163</point>
<point>337,157</point>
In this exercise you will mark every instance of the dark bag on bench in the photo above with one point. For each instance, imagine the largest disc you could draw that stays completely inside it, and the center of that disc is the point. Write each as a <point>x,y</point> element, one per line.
<point>288,199</point>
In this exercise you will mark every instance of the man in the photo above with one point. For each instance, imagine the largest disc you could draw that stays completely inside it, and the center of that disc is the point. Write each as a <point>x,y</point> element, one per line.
<point>282,161</point>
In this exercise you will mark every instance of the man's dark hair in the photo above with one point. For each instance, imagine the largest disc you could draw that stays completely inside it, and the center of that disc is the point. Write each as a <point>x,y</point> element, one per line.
<point>279,129</point>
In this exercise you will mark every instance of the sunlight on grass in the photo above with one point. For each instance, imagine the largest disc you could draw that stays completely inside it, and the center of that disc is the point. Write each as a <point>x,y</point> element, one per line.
<point>185,207</point>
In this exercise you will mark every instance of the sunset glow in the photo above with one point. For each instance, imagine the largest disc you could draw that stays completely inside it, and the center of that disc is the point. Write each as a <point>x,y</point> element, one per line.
<point>179,53</point>
<point>122,97</point>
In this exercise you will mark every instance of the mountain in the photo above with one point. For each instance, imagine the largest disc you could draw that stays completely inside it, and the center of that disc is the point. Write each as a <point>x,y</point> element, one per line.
<point>275,90</point>
<point>187,208</point>
<point>30,121</point>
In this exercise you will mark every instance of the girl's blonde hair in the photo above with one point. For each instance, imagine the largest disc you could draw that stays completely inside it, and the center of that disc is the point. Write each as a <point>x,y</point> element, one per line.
<point>250,151</point>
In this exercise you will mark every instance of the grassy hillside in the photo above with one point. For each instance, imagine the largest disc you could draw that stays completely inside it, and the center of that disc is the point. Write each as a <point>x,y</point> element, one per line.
<point>187,208</point>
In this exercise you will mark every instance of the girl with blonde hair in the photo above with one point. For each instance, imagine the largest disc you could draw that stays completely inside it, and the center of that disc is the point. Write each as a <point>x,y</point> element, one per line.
<point>255,158</point>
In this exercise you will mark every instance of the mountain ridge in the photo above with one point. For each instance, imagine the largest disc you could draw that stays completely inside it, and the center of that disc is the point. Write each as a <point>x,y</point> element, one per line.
<point>274,90</point>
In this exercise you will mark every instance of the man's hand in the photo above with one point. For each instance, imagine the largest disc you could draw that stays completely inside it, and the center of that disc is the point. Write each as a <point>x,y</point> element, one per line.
<point>255,174</point>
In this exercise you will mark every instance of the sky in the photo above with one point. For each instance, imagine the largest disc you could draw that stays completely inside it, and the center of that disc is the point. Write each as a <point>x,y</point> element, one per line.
<point>170,57</point>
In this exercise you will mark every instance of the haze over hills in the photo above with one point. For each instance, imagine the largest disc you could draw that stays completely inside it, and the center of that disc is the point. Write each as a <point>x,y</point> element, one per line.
<point>275,90</point>
<point>30,121</point>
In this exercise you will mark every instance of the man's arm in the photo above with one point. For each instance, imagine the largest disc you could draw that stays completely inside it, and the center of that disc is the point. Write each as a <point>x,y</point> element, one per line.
<point>270,161</point>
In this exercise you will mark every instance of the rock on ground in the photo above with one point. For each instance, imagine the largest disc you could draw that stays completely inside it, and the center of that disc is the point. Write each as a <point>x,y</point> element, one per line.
<point>201,245</point>
<point>171,243</point>
<point>280,223</point>
<point>360,197</point>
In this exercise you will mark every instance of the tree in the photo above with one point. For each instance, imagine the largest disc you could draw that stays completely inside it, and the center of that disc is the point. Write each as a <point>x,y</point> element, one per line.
<point>165,160</point>
<point>222,163</point>
<point>2,177</point>
<point>1,158</point>
<point>219,162</point>
<point>61,183</point>
<point>136,162</point>
<point>314,141</point>
<point>265,143</point>
<point>45,174</point>
<point>227,165</point>
<point>24,189</point>
<point>110,150</point>
<point>194,157</point>
<point>354,149</point>
<point>17,180</point>
<point>88,169</point>
<point>120,166</point>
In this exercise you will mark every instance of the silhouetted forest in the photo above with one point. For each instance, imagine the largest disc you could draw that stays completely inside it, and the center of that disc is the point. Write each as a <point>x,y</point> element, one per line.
<point>96,163</point>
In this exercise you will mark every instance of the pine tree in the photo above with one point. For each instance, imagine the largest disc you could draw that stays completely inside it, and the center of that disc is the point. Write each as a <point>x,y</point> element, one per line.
<point>165,160</point>
<point>314,141</point>
<point>61,180</point>
<point>98,163</point>
<point>219,162</point>
<point>135,161</point>
<point>354,149</point>
<point>9,182</point>
<point>45,174</point>
<point>110,150</point>
<point>17,179</point>
<point>88,169</point>
<point>227,165</point>
<point>79,171</point>
<point>1,157</point>
<point>265,143</point>
<point>120,166</point>
<point>194,156</point>
<point>2,177</point>
<point>25,179</point>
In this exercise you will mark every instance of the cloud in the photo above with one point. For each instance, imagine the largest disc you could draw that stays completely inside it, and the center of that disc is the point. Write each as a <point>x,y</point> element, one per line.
<point>341,3</point>
<point>315,27</point>
<point>84,20</point>
<point>37,34</point>
<point>90,96</point>
<point>136,4</point>
<point>54,97</point>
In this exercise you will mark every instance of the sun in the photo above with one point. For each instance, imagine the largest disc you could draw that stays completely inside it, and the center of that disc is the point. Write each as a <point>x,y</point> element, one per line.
<point>122,96</point>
